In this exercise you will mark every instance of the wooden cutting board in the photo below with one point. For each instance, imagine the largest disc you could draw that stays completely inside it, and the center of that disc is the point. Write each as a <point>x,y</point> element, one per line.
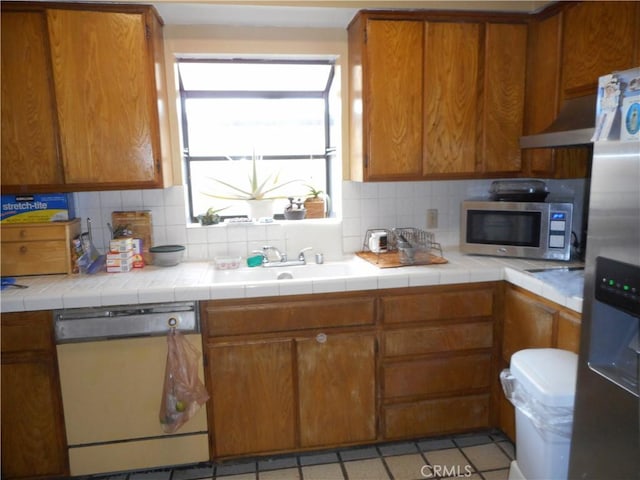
<point>391,259</point>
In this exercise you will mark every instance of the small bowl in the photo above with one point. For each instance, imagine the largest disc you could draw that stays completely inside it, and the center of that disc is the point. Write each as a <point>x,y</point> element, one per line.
<point>167,255</point>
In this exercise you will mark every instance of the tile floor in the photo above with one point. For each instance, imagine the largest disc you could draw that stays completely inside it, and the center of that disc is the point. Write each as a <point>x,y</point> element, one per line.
<point>478,456</point>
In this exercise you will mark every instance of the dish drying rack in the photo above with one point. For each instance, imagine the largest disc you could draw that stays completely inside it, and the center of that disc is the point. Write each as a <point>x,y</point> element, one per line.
<point>411,246</point>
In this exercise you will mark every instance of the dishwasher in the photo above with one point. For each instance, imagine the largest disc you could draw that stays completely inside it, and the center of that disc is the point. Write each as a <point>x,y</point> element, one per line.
<point>112,365</point>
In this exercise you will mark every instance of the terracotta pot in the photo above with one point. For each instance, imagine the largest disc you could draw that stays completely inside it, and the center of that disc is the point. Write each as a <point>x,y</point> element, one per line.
<point>315,207</point>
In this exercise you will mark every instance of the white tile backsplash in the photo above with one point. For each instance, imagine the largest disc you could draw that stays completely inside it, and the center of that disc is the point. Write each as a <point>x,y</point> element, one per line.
<point>365,206</point>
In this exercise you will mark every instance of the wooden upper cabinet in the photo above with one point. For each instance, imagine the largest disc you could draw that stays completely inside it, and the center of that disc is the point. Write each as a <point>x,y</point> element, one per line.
<point>504,88</point>
<point>93,106</point>
<point>435,97</point>
<point>103,79</point>
<point>29,123</point>
<point>391,98</point>
<point>598,38</point>
<point>451,97</point>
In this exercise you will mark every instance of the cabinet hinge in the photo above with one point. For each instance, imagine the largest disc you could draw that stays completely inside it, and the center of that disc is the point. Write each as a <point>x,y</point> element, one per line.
<point>366,161</point>
<point>365,35</point>
<point>147,31</point>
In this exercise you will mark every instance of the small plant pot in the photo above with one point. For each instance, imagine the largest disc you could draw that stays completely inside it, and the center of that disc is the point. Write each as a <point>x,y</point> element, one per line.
<point>315,207</point>
<point>294,214</point>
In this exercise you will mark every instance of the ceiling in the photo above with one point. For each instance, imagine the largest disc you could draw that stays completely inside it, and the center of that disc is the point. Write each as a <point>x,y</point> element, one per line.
<point>312,13</point>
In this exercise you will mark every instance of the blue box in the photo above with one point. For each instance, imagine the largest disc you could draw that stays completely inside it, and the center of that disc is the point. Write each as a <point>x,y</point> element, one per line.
<point>38,208</point>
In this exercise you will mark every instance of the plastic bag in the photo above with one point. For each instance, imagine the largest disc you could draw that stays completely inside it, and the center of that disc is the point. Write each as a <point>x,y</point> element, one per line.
<point>546,419</point>
<point>183,393</point>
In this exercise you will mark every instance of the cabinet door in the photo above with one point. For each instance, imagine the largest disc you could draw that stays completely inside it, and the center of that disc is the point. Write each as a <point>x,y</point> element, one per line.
<point>103,73</point>
<point>527,323</point>
<point>393,99</point>
<point>544,83</point>
<point>33,437</point>
<point>29,125</point>
<point>598,38</point>
<point>252,396</point>
<point>451,98</point>
<point>336,384</point>
<point>503,109</point>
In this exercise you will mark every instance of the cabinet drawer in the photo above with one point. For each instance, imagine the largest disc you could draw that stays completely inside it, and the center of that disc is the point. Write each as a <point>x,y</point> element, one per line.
<point>441,338</point>
<point>35,258</point>
<point>438,416</point>
<point>31,232</point>
<point>437,375</point>
<point>27,331</point>
<point>437,305</point>
<point>246,317</point>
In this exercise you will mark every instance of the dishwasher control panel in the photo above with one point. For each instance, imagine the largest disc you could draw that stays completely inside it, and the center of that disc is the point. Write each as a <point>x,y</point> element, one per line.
<point>125,321</point>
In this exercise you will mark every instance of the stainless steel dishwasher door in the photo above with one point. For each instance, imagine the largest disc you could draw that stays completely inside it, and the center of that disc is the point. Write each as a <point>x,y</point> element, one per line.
<point>112,388</point>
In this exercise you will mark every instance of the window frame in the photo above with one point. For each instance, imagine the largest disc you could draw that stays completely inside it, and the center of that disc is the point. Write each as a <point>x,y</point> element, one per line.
<point>184,95</point>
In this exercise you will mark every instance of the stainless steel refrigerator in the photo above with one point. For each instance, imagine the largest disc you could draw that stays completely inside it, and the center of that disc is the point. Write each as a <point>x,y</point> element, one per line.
<point>605,439</point>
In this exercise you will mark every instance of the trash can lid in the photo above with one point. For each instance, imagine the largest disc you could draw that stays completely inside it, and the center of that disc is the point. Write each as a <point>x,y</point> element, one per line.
<point>547,374</point>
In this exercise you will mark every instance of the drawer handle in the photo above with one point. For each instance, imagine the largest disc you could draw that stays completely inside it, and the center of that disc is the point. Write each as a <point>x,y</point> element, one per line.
<point>23,249</point>
<point>23,234</point>
<point>321,338</point>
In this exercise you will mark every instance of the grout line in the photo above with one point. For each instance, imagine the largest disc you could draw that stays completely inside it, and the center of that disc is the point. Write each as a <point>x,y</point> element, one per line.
<point>384,463</point>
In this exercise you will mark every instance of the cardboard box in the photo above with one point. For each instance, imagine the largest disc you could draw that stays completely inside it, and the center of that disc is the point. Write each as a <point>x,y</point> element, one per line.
<point>121,245</point>
<point>137,224</point>
<point>38,208</point>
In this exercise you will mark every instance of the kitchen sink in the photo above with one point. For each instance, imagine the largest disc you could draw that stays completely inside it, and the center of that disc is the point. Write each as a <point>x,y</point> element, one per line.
<point>354,267</point>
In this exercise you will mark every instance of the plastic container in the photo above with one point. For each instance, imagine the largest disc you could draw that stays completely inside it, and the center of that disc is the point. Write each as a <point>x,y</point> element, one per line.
<point>227,263</point>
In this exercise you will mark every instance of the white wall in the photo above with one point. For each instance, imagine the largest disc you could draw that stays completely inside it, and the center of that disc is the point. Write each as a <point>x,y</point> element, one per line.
<point>365,205</point>
<point>360,206</point>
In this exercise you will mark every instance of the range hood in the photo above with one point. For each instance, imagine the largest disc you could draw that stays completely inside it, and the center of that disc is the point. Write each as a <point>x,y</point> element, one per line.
<point>574,126</point>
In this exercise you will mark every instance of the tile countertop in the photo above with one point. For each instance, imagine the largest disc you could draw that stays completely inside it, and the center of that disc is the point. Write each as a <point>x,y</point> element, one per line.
<point>195,281</point>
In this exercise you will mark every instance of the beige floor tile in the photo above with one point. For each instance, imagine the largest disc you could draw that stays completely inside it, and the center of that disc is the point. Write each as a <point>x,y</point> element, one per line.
<point>372,469</point>
<point>496,475</point>
<point>448,463</point>
<point>242,476</point>
<point>487,457</point>
<point>329,471</point>
<point>282,474</point>
<point>406,467</point>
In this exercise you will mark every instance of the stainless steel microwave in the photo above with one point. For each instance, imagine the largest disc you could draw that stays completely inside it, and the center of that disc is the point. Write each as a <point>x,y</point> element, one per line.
<point>516,229</point>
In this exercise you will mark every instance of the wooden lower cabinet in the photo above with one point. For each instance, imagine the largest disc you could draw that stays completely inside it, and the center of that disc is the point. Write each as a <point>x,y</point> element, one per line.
<point>313,385</point>
<point>436,416</point>
<point>336,388</point>
<point>252,396</point>
<point>439,360</point>
<point>531,321</point>
<point>33,437</point>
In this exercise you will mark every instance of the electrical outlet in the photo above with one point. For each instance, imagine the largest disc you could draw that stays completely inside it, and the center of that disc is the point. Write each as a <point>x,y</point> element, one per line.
<point>432,218</point>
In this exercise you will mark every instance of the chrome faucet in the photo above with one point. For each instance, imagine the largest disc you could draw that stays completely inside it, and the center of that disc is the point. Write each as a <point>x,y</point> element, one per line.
<point>272,257</point>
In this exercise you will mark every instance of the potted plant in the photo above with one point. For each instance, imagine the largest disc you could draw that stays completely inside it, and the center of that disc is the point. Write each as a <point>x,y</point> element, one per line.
<point>211,217</point>
<point>315,203</point>
<point>259,193</point>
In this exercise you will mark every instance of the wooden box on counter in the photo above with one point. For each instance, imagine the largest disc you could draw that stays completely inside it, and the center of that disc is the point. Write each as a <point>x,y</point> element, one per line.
<point>37,248</point>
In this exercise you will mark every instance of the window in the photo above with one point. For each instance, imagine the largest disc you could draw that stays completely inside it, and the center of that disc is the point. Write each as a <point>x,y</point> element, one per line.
<point>235,110</point>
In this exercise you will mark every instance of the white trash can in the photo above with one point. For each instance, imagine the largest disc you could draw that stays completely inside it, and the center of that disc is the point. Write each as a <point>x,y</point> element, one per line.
<point>541,384</point>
